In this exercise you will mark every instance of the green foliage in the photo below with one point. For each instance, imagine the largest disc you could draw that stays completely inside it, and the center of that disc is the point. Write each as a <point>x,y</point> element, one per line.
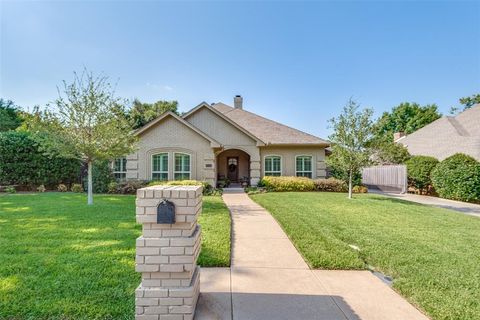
<point>330,185</point>
<point>142,113</point>
<point>23,163</point>
<point>102,175</point>
<point>388,152</point>
<point>458,178</point>
<point>10,118</point>
<point>88,122</point>
<point>281,184</point>
<point>352,133</point>
<point>126,187</point>
<point>62,188</point>
<point>467,103</point>
<point>340,174</point>
<point>10,189</point>
<point>419,169</point>
<point>77,188</point>
<point>360,189</point>
<point>406,117</point>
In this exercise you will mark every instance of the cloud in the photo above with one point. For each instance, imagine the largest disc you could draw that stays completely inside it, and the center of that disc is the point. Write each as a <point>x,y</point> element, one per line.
<point>159,86</point>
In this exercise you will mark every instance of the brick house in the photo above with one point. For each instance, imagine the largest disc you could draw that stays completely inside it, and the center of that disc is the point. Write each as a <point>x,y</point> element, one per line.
<point>217,141</point>
<point>446,136</point>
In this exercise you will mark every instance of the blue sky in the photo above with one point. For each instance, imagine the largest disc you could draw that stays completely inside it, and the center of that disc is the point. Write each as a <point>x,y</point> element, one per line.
<point>297,63</point>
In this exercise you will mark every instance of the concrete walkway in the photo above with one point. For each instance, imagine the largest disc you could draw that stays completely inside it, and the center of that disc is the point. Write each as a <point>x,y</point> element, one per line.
<point>463,207</point>
<point>269,279</point>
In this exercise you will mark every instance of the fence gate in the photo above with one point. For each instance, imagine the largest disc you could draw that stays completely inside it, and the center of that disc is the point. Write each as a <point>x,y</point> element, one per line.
<point>391,178</point>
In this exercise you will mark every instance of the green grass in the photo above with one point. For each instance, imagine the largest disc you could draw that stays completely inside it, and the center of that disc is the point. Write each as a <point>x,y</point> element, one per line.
<point>433,254</point>
<point>62,259</point>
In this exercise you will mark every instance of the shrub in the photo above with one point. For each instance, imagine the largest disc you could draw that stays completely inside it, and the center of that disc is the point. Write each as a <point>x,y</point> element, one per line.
<point>126,187</point>
<point>419,169</point>
<point>10,189</point>
<point>330,185</point>
<point>337,173</point>
<point>280,184</point>
<point>62,188</point>
<point>113,187</point>
<point>102,175</point>
<point>41,188</point>
<point>23,163</point>
<point>76,187</point>
<point>360,189</point>
<point>458,178</point>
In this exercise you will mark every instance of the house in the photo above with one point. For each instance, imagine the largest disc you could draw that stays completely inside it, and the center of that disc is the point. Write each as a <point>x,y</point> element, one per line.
<point>215,142</point>
<point>446,136</point>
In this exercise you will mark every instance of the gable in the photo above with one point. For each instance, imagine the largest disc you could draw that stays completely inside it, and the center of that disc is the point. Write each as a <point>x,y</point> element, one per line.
<point>218,128</point>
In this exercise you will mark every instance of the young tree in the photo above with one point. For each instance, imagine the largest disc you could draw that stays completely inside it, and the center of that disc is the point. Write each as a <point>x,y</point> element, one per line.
<point>352,132</point>
<point>87,122</point>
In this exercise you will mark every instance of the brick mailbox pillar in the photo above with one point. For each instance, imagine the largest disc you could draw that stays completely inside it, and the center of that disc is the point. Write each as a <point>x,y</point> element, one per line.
<point>167,252</point>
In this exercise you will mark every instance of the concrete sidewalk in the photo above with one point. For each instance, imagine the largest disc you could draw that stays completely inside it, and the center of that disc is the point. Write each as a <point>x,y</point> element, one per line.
<point>463,207</point>
<point>269,279</point>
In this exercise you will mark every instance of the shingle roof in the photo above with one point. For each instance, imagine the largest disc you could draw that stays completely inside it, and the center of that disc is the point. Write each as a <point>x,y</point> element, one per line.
<point>267,130</point>
<point>447,136</point>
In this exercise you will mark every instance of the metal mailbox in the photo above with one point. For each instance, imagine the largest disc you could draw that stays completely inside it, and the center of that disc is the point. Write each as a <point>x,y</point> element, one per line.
<point>166,212</point>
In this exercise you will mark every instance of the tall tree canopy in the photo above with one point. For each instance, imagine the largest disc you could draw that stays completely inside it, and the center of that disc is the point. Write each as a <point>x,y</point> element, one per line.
<point>142,113</point>
<point>406,117</point>
<point>10,117</point>
<point>352,131</point>
<point>87,123</point>
<point>467,103</point>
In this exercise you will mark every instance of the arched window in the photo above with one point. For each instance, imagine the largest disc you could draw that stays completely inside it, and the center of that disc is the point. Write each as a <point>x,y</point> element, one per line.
<point>273,166</point>
<point>160,166</point>
<point>304,166</point>
<point>120,169</point>
<point>182,170</point>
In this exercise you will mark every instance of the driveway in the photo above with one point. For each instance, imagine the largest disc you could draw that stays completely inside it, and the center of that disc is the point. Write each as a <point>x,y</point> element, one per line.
<point>463,207</point>
<point>269,279</point>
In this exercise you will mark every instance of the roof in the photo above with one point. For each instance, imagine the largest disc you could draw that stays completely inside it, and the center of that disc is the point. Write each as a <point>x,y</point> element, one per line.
<point>167,114</point>
<point>447,136</point>
<point>269,131</point>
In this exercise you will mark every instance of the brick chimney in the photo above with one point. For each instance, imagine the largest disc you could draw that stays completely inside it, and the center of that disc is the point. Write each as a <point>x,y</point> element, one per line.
<point>398,135</point>
<point>238,102</point>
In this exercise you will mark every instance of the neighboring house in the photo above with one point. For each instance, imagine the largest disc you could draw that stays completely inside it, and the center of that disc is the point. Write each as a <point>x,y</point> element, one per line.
<point>212,142</point>
<point>447,136</point>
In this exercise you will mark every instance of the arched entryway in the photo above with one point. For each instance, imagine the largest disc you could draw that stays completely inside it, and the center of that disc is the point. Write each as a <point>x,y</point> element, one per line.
<point>233,165</point>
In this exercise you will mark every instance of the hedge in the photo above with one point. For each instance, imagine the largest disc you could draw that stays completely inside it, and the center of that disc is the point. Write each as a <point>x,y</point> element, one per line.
<point>330,185</point>
<point>280,184</point>
<point>22,163</point>
<point>419,169</point>
<point>458,178</point>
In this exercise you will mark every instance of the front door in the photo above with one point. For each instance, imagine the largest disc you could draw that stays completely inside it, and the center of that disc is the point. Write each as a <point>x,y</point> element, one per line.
<point>232,169</point>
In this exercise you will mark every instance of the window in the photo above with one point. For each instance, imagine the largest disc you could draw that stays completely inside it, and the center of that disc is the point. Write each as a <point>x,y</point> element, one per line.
<point>182,166</point>
<point>304,166</point>
<point>273,166</point>
<point>120,169</point>
<point>160,166</point>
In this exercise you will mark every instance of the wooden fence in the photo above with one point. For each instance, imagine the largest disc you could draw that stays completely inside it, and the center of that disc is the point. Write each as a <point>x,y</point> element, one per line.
<point>386,178</point>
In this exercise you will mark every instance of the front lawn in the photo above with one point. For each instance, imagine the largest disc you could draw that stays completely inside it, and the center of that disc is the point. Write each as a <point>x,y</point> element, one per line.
<point>62,259</point>
<point>432,254</point>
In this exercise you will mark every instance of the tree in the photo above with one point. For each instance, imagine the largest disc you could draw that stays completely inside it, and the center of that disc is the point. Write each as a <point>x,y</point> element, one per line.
<point>142,113</point>
<point>87,123</point>
<point>406,117</point>
<point>386,152</point>
<point>10,117</point>
<point>352,132</point>
<point>467,103</point>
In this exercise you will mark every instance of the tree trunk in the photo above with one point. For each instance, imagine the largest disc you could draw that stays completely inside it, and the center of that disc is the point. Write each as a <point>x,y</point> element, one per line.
<point>350,185</point>
<point>90,183</point>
